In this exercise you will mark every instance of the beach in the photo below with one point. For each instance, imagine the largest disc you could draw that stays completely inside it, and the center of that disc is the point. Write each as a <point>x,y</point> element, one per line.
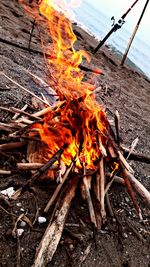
<point>120,88</point>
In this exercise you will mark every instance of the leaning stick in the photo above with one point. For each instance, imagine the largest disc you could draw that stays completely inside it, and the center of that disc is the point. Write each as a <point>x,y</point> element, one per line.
<point>117,126</point>
<point>22,87</point>
<point>102,186</point>
<point>39,172</point>
<point>52,235</point>
<point>58,188</point>
<point>89,200</point>
<point>140,189</point>
<point>143,193</point>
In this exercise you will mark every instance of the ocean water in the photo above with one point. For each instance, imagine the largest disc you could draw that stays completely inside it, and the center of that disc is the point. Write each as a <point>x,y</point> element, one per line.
<point>99,25</point>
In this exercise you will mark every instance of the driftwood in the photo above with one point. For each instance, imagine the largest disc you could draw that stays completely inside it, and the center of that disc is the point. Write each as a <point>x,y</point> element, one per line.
<point>52,235</point>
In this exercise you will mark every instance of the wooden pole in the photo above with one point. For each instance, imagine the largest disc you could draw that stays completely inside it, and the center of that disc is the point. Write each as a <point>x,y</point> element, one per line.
<point>133,35</point>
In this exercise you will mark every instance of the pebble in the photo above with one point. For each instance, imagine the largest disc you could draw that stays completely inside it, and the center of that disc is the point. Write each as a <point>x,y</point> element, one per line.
<point>41,219</point>
<point>8,191</point>
<point>23,224</point>
<point>20,231</point>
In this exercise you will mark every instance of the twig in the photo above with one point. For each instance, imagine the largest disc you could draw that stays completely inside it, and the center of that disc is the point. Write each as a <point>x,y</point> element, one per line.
<point>23,88</point>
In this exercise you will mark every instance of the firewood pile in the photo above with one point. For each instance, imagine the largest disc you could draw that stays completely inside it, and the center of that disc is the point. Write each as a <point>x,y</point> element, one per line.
<point>70,142</point>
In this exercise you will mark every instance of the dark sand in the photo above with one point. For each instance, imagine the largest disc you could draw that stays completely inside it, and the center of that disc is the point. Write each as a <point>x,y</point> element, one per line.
<point>127,91</point>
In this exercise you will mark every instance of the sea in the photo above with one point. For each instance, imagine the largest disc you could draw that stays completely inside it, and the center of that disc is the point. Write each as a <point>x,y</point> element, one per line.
<point>98,24</point>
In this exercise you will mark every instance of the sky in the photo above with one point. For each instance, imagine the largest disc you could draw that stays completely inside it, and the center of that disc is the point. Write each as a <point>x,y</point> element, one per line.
<point>117,8</point>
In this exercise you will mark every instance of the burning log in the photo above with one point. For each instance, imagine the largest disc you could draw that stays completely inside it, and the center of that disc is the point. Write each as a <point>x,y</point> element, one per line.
<point>52,235</point>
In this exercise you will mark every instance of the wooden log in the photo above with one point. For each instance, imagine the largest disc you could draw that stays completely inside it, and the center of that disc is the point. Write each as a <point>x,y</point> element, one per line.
<point>52,235</point>
<point>12,145</point>
<point>29,166</point>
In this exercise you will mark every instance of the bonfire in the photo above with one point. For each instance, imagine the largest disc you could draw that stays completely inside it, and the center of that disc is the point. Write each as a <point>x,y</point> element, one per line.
<point>71,142</point>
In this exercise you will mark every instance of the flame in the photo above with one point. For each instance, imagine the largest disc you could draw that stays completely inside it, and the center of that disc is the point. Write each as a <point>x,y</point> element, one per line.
<point>80,121</point>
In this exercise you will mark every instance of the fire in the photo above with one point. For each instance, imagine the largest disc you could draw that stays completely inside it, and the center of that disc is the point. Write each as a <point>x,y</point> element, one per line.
<point>79,122</point>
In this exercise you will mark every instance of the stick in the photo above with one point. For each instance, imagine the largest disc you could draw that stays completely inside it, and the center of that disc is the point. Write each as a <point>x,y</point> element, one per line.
<point>52,235</point>
<point>23,88</point>
<point>136,156</point>
<point>102,186</point>
<point>117,126</point>
<point>58,188</point>
<point>39,172</point>
<point>13,145</point>
<point>34,166</point>
<point>4,172</point>
<point>140,189</point>
<point>89,201</point>
<point>17,114</point>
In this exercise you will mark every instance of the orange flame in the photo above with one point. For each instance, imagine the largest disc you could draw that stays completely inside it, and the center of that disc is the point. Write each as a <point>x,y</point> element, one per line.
<point>80,121</point>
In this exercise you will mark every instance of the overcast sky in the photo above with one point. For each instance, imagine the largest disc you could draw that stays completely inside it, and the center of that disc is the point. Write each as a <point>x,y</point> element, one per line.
<point>118,7</point>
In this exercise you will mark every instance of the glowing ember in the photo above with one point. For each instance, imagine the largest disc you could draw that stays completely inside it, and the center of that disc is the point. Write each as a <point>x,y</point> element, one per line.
<point>79,121</point>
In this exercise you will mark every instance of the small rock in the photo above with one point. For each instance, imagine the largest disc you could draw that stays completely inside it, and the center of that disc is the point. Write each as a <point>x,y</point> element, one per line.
<point>23,224</point>
<point>41,219</point>
<point>8,191</point>
<point>22,209</point>
<point>18,204</point>
<point>20,231</point>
